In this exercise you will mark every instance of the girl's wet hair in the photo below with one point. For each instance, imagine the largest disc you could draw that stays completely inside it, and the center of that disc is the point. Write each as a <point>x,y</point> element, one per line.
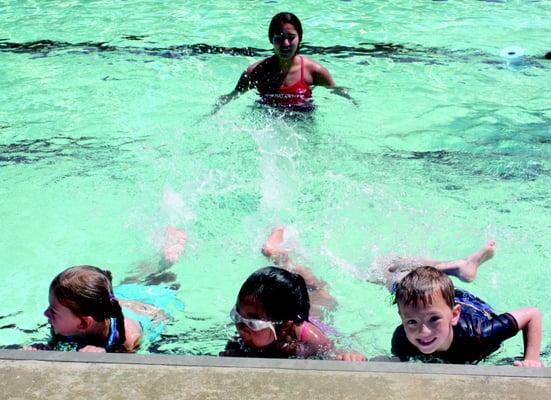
<point>419,287</point>
<point>282,294</point>
<point>88,291</point>
<point>284,18</point>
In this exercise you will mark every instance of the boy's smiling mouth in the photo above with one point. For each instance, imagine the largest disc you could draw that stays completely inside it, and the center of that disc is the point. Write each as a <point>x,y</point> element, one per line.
<point>426,342</point>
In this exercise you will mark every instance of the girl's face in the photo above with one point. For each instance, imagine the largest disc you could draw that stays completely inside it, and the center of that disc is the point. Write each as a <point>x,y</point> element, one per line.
<point>64,322</point>
<point>249,309</point>
<point>286,41</point>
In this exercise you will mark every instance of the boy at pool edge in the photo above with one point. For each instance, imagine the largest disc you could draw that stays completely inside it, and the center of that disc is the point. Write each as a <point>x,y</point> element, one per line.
<point>440,323</point>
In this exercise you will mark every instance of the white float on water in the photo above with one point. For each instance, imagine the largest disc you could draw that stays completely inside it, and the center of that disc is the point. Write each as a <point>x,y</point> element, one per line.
<point>513,55</point>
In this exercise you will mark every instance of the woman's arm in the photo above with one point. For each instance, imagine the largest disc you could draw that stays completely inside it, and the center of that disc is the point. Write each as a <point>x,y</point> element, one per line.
<point>225,99</point>
<point>243,84</point>
<point>322,77</point>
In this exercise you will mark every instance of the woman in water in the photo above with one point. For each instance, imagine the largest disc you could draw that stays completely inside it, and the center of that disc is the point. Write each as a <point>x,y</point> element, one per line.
<point>284,79</point>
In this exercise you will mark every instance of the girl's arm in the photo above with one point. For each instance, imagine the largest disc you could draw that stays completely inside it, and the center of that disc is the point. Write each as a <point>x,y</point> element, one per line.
<point>133,332</point>
<point>350,356</point>
<point>92,349</point>
<point>529,321</point>
<point>316,343</point>
<point>303,341</point>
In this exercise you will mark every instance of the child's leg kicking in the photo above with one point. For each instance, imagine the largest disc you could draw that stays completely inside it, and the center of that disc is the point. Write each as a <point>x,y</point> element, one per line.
<point>175,239</point>
<point>154,272</point>
<point>273,248</point>
<point>465,269</point>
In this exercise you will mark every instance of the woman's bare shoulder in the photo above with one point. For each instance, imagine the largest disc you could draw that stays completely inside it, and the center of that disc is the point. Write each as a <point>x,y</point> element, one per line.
<point>253,66</point>
<point>313,65</point>
<point>320,74</point>
<point>309,63</point>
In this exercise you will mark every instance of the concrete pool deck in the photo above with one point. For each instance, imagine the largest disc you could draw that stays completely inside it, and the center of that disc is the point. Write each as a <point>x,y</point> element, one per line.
<point>66,375</point>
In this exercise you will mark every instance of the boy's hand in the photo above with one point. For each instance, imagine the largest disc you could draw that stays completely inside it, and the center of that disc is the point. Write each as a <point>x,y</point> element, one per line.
<point>350,357</point>
<point>529,364</point>
<point>529,322</point>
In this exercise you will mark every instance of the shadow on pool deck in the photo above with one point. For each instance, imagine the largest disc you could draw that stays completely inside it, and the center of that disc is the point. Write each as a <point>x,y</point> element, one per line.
<point>64,375</point>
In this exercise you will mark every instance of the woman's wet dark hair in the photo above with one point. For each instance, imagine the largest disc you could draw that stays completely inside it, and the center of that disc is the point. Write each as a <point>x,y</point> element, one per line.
<point>284,18</point>
<point>282,294</point>
<point>87,290</point>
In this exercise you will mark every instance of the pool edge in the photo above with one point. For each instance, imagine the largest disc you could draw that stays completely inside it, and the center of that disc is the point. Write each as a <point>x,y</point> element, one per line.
<point>60,374</point>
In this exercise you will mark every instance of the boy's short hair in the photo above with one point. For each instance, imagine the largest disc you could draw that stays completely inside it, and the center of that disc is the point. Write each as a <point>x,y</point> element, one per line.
<point>420,285</point>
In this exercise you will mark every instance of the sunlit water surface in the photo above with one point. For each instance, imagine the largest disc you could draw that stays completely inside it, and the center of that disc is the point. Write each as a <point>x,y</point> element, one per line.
<point>106,137</point>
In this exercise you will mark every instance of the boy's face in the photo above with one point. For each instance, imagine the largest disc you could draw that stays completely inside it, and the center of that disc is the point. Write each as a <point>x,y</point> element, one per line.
<point>429,327</point>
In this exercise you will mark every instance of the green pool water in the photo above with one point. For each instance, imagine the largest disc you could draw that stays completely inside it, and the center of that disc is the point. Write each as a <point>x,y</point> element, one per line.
<point>106,136</point>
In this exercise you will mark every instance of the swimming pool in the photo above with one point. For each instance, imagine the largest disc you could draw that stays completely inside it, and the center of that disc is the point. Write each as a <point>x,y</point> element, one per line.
<point>105,137</point>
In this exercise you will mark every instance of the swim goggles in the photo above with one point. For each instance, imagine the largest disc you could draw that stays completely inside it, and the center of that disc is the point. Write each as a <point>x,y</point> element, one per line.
<point>253,324</point>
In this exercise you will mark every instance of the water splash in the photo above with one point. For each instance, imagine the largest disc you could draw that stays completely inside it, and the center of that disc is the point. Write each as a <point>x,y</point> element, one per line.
<point>174,208</point>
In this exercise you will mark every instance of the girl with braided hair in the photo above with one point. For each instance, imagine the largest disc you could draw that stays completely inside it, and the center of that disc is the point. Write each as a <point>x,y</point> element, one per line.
<point>83,310</point>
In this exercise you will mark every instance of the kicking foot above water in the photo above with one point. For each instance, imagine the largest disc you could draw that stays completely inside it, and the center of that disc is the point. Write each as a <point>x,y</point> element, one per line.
<point>467,268</point>
<point>175,239</point>
<point>273,245</point>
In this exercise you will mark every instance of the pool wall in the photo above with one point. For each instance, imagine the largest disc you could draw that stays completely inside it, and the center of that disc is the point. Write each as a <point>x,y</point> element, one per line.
<point>63,375</point>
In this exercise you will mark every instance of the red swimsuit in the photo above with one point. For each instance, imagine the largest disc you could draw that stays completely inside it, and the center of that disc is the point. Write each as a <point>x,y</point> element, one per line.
<point>296,94</point>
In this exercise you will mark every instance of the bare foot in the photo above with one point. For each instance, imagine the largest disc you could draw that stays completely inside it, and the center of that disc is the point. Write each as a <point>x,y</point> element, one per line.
<point>399,263</point>
<point>175,239</point>
<point>274,249</point>
<point>272,246</point>
<point>466,268</point>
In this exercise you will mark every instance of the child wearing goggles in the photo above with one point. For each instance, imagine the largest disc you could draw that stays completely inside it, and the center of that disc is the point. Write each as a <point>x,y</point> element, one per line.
<point>272,319</point>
